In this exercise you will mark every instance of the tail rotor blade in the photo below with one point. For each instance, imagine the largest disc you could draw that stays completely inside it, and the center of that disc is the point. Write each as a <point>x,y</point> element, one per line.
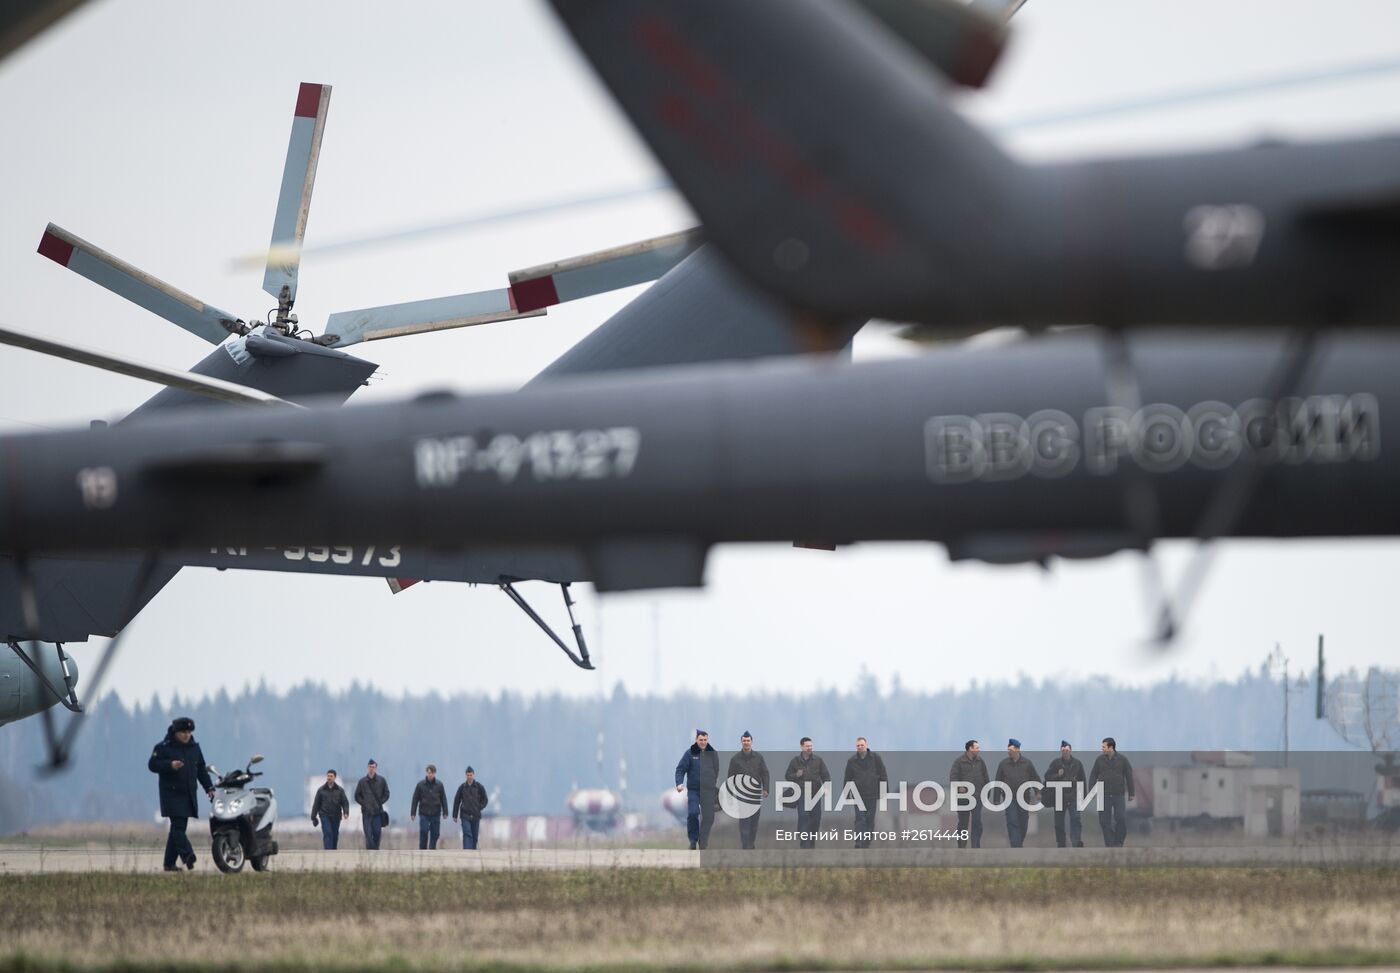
<point>97,265</point>
<point>294,200</point>
<point>214,388</point>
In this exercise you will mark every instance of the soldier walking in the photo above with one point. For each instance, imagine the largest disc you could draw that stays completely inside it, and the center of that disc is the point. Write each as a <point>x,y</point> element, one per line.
<point>750,762</point>
<point>867,770</point>
<point>372,794</point>
<point>430,801</point>
<point>1015,771</point>
<point>697,773</point>
<point>1065,779</point>
<point>970,769</point>
<point>1113,769</point>
<point>180,764</point>
<point>329,807</point>
<point>467,804</point>
<point>808,771</point>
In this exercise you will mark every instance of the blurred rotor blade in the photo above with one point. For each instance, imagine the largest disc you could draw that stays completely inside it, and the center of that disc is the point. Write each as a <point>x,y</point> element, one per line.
<point>468,222</point>
<point>601,271</point>
<point>1026,123</point>
<point>294,200</point>
<point>119,277</point>
<point>1192,96</point>
<point>418,317</point>
<point>214,388</point>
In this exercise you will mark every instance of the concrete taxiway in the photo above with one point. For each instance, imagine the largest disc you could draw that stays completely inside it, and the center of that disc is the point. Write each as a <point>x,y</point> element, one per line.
<point>36,859</point>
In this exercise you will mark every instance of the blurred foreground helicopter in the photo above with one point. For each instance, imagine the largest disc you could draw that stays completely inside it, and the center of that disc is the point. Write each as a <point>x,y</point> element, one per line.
<point>1015,454</point>
<point>826,162</point>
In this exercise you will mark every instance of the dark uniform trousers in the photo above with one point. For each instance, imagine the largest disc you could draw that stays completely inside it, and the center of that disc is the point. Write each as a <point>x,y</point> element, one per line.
<point>700,814</point>
<point>1076,827</point>
<point>177,843</point>
<point>971,821</point>
<point>748,830</point>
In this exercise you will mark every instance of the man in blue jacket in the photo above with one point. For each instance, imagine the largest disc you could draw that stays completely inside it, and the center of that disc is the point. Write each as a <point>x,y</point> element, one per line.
<point>180,764</point>
<point>698,773</point>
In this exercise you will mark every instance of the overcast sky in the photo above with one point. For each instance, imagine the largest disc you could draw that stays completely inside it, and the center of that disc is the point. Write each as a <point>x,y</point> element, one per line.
<point>157,130</point>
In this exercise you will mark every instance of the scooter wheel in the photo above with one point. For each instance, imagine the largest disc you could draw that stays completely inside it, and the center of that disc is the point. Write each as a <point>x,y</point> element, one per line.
<point>260,863</point>
<point>227,851</point>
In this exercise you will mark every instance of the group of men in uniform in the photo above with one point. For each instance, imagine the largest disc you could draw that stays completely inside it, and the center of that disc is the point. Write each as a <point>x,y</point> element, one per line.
<point>697,773</point>
<point>428,806</point>
<point>1016,771</point>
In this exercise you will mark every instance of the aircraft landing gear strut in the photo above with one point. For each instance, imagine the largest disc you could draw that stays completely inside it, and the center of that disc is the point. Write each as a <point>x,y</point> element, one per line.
<point>1228,501</point>
<point>60,746</point>
<point>579,658</point>
<point>69,695</point>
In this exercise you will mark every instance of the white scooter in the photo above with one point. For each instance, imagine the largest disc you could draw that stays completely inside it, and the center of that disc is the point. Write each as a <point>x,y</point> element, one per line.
<point>241,820</point>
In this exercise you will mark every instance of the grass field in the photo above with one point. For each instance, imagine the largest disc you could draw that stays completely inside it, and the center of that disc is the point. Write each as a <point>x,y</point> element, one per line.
<point>705,919</point>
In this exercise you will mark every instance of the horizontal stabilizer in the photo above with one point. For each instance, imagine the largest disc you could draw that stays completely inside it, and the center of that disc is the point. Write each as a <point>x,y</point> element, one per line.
<point>597,273</point>
<point>214,388</point>
<point>242,463</point>
<point>138,287</point>
<point>962,42</point>
<point>417,317</point>
<point>639,563</point>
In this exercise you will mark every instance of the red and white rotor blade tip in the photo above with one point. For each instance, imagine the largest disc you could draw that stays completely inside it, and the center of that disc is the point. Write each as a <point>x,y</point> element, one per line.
<point>97,265</point>
<point>420,317</point>
<point>602,271</point>
<point>294,199</point>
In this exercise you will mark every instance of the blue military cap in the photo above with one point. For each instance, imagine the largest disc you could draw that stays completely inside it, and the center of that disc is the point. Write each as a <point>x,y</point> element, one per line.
<point>1064,743</point>
<point>1013,742</point>
<point>470,769</point>
<point>746,733</point>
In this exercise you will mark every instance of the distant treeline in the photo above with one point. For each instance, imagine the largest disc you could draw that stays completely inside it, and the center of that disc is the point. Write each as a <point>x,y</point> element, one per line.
<point>534,749</point>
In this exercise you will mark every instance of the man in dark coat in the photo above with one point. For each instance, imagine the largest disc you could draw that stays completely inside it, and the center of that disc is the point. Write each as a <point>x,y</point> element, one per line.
<point>1064,778</point>
<point>867,771</point>
<point>1113,770</point>
<point>330,806</point>
<point>808,771</point>
<point>749,762</point>
<point>697,773</point>
<point>180,764</point>
<point>970,769</point>
<point>372,794</point>
<point>429,800</point>
<point>467,805</point>
<point>1016,771</point>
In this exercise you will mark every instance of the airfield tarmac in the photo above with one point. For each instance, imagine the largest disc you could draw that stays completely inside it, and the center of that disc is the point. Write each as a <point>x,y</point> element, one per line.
<point>30,859</point>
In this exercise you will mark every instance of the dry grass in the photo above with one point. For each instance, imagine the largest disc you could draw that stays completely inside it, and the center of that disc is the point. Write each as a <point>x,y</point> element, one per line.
<point>710,919</point>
